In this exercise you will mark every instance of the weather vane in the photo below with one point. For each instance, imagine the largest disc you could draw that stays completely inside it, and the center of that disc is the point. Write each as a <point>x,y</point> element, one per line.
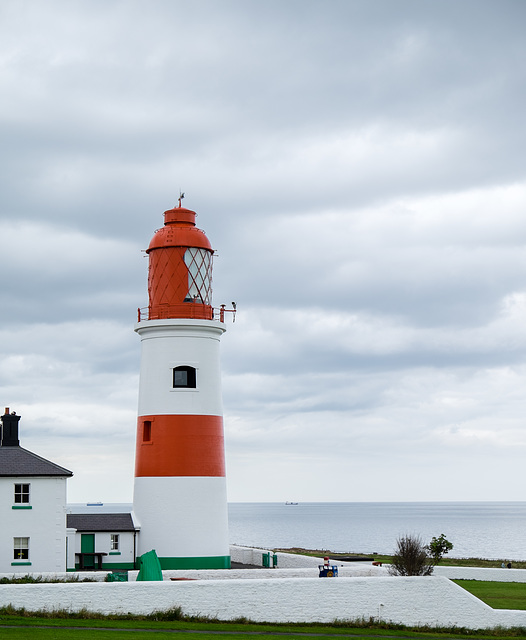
<point>181,196</point>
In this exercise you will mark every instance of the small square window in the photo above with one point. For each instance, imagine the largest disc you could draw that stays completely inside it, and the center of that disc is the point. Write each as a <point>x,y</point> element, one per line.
<point>114,541</point>
<point>21,548</point>
<point>184,377</point>
<point>21,494</point>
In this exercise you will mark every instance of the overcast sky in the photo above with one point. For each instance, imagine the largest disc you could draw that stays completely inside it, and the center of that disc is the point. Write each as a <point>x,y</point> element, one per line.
<point>359,167</point>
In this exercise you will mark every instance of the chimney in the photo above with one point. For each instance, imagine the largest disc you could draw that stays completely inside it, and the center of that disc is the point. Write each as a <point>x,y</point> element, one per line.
<point>10,429</point>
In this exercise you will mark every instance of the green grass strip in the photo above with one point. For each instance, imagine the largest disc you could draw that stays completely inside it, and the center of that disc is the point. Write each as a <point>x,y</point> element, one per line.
<point>84,624</point>
<point>498,595</point>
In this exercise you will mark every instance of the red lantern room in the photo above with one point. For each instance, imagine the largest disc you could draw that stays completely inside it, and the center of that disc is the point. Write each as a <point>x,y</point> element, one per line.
<point>180,269</point>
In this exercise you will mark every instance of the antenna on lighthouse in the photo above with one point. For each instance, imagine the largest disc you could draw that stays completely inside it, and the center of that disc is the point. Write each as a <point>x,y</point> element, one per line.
<point>181,196</point>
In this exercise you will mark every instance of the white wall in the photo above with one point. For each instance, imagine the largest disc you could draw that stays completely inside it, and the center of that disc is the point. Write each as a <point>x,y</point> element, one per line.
<point>170,343</point>
<point>294,594</point>
<point>70,546</point>
<point>251,555</point>
<point>475,573</point>
<point>44,524</point>
<point>182,516</point>
<point>433,601</point>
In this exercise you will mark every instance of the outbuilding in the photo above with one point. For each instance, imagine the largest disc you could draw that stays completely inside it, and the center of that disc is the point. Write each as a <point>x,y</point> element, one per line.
<point>103,541</point>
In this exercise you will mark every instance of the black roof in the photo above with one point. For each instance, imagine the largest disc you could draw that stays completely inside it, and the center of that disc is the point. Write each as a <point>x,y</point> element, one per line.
<point>15,461</point>
<point>100,521</point>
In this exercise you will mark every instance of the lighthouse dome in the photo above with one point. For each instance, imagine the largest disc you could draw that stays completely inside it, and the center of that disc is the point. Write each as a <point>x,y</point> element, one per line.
<point>179,231</point>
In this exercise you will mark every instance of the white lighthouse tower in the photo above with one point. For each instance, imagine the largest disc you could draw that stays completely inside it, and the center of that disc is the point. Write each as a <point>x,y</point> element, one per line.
<point>180,485</point>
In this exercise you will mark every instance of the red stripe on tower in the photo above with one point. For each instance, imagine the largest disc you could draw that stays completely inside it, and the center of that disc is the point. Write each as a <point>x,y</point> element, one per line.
<point>167,446</point>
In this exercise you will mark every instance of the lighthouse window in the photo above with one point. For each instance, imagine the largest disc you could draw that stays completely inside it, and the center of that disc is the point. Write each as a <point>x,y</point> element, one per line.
<point>147,431</point>
<point>184,377</point>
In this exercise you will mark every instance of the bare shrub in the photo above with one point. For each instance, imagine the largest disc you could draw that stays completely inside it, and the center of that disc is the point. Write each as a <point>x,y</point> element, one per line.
<point>410,558</point>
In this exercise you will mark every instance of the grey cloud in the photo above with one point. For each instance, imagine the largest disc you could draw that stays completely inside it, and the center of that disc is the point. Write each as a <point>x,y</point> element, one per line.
<point>357,164</point>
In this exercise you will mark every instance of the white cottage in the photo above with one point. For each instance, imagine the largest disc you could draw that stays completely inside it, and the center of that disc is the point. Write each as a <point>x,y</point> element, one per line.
<point>33,506</point>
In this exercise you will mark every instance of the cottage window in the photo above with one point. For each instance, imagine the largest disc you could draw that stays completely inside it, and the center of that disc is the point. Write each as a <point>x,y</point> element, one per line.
<point>21,548</point>
<point>21,494</point>
<point>114,541</point>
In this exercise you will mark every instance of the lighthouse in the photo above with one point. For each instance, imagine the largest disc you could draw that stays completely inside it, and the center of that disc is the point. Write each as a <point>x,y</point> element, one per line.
<point>180,484</point>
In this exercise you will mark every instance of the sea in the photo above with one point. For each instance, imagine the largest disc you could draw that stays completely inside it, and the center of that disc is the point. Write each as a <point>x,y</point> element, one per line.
<point>494,530</point>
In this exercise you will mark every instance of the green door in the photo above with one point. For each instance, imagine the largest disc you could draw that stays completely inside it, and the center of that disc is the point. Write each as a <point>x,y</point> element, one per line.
<point>87,545</point>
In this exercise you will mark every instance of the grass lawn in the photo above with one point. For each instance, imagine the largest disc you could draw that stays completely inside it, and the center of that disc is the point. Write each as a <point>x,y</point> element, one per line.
<point>211,631</point>
<point>22,627</point>
<point>30,633</point>
<point>499,595</point>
